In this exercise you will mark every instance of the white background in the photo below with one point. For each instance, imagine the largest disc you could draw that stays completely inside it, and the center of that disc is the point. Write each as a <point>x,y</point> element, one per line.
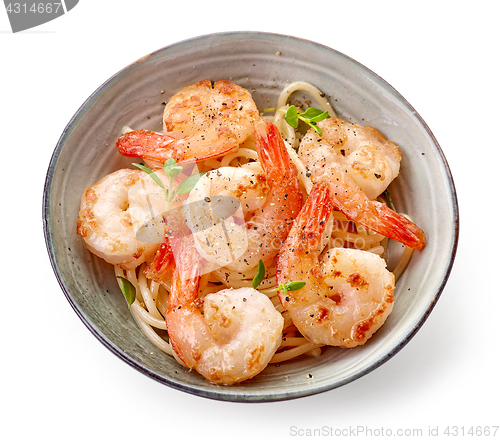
<point>58,381</point>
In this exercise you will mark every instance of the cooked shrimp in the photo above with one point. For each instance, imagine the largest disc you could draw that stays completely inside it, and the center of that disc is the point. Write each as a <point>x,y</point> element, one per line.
<point>370,160</point>
<point>113,210</point>
<point>347,296</point>
<point>200,121</point>
<point>358,164</point>
<point>267,201</point>
<point>235,336</point>
<point>163,264</point>
<point>217,208</point>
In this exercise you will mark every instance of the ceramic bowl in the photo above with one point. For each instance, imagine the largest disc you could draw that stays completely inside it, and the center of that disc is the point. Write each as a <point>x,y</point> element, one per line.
<point>263,63</point>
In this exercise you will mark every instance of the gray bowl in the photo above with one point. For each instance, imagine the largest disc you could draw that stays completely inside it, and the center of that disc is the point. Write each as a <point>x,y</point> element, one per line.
<point>264,64</point>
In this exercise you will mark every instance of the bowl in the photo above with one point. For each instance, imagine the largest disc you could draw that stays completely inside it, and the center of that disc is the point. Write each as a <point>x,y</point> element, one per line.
<point>263,63</point>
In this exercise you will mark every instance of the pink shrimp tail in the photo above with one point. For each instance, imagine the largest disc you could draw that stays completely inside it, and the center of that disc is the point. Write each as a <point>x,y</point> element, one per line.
<point>186,278</point>
<point>153,146</point>
<point>284,200</point>
<point>398,227</point>
<point>305,236</point>
<point>272,152</point>
<point>147,145</point>
<point>378,217</point>
<point>163,264</point>
<point>183,302</point>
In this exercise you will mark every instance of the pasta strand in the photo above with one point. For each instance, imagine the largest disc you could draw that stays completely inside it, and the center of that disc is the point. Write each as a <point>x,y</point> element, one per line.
<point>152,296</point>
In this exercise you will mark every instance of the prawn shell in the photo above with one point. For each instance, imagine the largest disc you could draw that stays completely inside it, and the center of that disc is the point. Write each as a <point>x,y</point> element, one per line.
<point>342,303</point>
<point>111,213</point>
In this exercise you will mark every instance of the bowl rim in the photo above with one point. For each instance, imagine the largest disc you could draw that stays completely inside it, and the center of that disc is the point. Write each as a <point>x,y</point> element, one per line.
<point>220,394</point>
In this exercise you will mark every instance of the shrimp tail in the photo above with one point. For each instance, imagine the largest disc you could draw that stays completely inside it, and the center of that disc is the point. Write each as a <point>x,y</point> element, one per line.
<point>272,152</point>
<point>163,264</point>
<point>398,227</point>
<point>284,200</point>
<point>153,146</point>
<point>312,219</point>
<point>146,145</point>
<point>376,216</point>
<point>183,305</point>
<point>305,236</point>
<point>186,278</point>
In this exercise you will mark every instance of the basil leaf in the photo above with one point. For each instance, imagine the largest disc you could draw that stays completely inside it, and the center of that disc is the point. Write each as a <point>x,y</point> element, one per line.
<point>316,129</point>
<point>257,279</point>
<point>311,116</point>
<point>292,117</point>
<point>312,112</point>
<point>128,290</point>
<point>151,174</point>
<point>189,183</point>
<point>319,117</point>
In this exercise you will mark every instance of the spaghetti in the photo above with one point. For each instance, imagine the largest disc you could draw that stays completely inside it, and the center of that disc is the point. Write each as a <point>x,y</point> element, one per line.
<point>152,295</point>
<point>151,302</point>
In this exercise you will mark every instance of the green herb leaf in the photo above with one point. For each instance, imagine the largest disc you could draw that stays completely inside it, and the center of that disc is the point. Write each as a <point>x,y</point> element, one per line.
<point>171,168</point>
<point>312,112</point>
<point>170,162</point>
<point>294,285</point>
<point>311,117</point>
<point>319,117</point>
<point>189,183</point>
<point>151,174</point>
<point>388,198</point>
<point>292,117</point>
<point>291,285</point>
<point>128,290</point>
<point>257,279</point>
<point>316,129</point>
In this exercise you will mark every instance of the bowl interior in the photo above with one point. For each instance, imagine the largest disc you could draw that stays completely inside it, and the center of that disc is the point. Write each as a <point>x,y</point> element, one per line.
<point>264,64</point>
